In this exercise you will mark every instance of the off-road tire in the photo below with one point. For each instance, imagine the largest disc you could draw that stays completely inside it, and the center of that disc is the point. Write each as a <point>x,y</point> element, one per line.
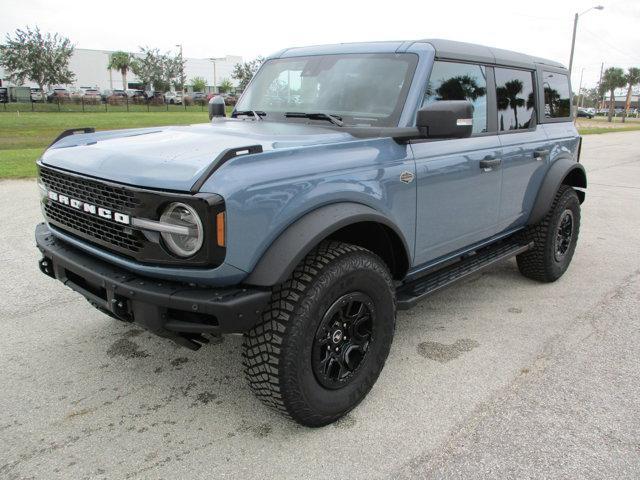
<point>277,353</point>
<point>540,263</point>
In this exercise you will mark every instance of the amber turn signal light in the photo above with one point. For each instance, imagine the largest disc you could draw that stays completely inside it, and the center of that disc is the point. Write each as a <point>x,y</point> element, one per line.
<point>220,229</point>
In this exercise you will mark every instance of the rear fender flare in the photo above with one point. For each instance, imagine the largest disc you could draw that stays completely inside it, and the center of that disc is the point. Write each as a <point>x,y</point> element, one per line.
<point>563,171</point>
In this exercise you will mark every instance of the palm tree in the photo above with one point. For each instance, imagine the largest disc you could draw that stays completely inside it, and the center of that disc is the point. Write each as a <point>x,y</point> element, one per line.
<point>507,97</point>
<point>121,61</point>
<point>462,87</point>
<point>612,79</point>
<point>632,78</point>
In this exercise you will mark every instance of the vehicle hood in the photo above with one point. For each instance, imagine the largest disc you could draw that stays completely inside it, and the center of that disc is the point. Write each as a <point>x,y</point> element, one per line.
<point>173,158</point>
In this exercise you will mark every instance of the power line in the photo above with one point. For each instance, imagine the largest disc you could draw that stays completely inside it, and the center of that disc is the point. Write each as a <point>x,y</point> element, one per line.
<point>613,47</point>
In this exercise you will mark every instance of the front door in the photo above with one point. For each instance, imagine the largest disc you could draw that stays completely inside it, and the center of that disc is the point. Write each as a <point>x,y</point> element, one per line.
<point>459,179</point>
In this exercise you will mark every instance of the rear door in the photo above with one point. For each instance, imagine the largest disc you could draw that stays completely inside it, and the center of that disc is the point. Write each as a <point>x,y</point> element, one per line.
<point>525,146</point>
<point>458,197</point>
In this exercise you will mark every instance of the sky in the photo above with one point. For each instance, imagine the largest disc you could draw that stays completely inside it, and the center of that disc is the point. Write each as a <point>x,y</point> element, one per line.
<point>251,28</point>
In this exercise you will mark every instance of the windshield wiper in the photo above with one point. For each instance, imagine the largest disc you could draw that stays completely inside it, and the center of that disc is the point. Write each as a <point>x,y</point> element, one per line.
<point>336,120</point>
<point>251,113</point>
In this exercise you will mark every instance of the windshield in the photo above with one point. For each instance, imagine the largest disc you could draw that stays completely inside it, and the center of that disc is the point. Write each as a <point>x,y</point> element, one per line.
<point>361,89</point>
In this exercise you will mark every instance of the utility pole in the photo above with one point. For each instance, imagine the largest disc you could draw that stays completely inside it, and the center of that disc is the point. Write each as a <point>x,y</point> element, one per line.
<point>600,82</point>
<point>580,95</point>
<point>182,74</point>
<point>215,76</point>
<point>575,28</point>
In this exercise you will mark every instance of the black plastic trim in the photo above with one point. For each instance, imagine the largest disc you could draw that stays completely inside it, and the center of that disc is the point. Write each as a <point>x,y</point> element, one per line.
<point>72,131</point>
<point>223,157</point>
<point>550,185</point>
<point>281,258</point>
<point>166,308</point>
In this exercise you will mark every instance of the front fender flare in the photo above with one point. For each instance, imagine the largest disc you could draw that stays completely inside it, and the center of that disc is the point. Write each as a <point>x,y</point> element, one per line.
<point>561,170</point>
<point>299,238</point>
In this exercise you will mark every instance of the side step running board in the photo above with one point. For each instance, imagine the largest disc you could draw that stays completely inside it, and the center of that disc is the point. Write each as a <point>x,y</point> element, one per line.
<point>411,293</point>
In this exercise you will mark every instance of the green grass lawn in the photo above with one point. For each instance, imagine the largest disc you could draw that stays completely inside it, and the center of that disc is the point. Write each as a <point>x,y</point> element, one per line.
<point>24,135</point>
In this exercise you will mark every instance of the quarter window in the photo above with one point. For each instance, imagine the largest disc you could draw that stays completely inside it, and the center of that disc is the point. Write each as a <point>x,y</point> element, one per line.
<point>557,100</point>
<point>460,81</point>
<point>515,99</point>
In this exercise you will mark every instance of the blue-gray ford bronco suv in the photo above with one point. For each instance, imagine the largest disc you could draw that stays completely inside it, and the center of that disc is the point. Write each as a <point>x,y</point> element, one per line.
<point>350,181</point>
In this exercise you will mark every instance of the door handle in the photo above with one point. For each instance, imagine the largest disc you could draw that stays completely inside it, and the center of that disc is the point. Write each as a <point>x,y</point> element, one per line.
<point>489,162</point>
<point>540,154</point>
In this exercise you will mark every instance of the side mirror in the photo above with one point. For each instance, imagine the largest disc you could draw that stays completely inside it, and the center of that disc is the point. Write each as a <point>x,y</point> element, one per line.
<point>446,119</point>
<point>216,107</point>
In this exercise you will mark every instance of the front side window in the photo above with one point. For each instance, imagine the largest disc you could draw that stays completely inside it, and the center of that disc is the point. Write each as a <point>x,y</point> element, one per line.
<point>460,81</point>
<point>515,99</point>
<point>557,99</point>
<point>360,89</point>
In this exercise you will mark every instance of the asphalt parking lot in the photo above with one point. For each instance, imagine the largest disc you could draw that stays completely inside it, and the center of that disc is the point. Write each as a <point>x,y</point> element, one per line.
<point>496,377</point>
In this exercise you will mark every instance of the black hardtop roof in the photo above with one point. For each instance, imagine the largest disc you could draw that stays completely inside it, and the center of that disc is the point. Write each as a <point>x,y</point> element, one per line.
<point>472,52</point>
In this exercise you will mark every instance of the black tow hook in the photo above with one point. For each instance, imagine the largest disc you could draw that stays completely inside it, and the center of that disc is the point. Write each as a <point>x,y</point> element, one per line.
<point>46,267</point>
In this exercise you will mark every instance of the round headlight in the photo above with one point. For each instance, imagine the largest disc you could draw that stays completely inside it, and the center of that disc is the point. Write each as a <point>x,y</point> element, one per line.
<point>185,241</point>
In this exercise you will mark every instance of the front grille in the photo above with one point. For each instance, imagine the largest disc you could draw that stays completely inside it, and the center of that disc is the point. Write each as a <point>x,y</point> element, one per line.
<point>108,196</point>
<point>88,226</point>
<point>142,246</point>
<point>94,227</point>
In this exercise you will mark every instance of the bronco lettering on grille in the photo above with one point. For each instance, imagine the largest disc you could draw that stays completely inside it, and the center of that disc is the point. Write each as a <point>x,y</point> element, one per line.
<point>89,208</point>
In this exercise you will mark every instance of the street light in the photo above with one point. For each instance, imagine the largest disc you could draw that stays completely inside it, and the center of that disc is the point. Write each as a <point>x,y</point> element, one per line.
<point>575,26</point>
<point>215,80</point>
<point>181,71</point>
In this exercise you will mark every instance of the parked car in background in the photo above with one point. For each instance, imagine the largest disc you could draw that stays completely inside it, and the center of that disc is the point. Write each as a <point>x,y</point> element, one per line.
<point>92,95</point>
<point>36,95</point>
<point>136,96</point>
<point>58,95</point>
<point>155,97</point>
<point>117,97</point>
<point>229,99</point>
<point>106,94</point>
<point>173,98</point>
<point>132,93</point>
<point>199,97</point>
<point>584,113</point>
<point>4,95</point>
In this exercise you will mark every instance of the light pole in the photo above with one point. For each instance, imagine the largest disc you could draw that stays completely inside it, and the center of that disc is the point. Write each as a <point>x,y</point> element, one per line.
<point>215,84</point>
<point>580,95</point>
<point>182,75</point>
<point>575,27</point>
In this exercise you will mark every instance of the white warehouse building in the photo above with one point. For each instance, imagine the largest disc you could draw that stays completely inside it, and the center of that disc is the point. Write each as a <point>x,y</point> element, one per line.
<point>90,69</point>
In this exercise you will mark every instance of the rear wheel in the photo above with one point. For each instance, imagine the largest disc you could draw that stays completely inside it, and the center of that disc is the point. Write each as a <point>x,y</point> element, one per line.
<point>326,336</point>
<point>554,238</point>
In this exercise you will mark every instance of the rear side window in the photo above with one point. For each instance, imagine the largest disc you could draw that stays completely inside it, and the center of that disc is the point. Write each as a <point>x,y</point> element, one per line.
<point>460,81</point>
<point>557,100</point>
<point>515,99</point>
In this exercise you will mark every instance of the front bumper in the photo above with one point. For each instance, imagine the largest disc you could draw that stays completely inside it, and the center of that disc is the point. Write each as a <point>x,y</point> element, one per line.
<point>174,310</point>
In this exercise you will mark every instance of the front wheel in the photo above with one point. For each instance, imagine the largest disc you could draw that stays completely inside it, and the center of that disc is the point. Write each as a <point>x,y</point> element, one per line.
<point>555,239</point>
<point>326,336</point>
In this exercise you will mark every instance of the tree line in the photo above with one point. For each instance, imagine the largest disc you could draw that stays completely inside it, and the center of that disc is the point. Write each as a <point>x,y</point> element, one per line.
<point>43,58</point>
<point>614,78</point>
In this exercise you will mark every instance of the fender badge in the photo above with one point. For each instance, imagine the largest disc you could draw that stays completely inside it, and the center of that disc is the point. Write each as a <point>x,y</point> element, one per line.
<point>406,177</point>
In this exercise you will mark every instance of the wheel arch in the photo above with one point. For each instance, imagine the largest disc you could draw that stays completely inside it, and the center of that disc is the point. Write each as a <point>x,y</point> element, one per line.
<point>346,221</point>
<point>564,171</point>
